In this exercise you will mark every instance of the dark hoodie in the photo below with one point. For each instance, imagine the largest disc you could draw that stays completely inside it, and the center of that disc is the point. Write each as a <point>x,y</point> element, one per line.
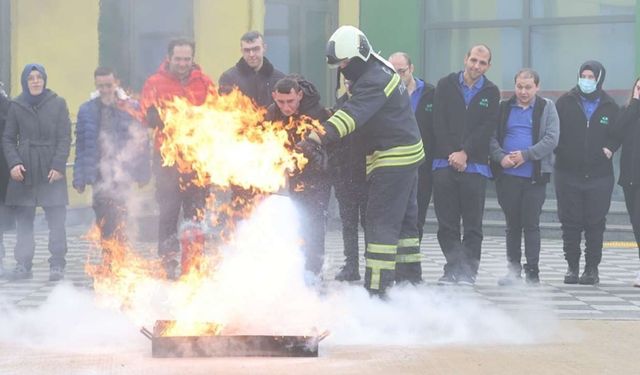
<point>256,85</point>
<point>579,150</point>
<point>309,106</point>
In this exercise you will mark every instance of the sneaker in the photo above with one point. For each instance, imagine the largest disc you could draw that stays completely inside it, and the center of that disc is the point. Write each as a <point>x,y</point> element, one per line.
<point>465,280</point>
<point>571,277</point>
<point>20,273</point>
<point>348,272</point>
<point>510,279</point>
<point>589,276</point>
<point>532,274</point>
<point>447,279</point>
<point>637,282</point>
<point>56,273</point>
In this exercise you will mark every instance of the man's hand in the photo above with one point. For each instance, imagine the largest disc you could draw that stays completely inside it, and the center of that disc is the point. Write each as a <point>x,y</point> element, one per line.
<point>458,160</point>
<point>54,176</point>
<point>607,152</point>
<point>17,172</point>
<point>517,158</point>
<point>313,151</point>
<point>506,162</point>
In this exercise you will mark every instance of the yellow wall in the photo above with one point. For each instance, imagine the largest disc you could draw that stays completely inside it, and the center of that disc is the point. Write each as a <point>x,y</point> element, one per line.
<point>218,26</point>
<point>349,12</point>
<point>62,36</point>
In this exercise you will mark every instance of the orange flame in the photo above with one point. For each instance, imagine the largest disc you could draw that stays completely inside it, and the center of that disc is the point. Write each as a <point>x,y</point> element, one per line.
<point>224,143</point>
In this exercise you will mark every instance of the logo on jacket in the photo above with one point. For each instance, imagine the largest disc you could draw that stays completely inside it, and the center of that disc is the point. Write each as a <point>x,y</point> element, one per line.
<point>429,108</point>
<point>484,102</point>
<point>604,120</point>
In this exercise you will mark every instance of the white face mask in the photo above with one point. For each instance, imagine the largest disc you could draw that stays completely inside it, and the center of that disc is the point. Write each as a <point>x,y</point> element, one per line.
<point>587,85</point>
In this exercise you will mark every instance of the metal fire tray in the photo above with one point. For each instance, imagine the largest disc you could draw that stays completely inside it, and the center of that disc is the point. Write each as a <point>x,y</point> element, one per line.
<point>230,345</point>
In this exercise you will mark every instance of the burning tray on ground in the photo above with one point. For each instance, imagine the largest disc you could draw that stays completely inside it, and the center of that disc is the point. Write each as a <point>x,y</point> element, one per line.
<point>215,345</point>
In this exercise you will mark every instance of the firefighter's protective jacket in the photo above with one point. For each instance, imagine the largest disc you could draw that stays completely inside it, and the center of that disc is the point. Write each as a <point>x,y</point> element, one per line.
<point>380,111</point>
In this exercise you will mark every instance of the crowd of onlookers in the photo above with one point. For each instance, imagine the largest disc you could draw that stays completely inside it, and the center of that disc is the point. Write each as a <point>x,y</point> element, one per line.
<point>390,143</point>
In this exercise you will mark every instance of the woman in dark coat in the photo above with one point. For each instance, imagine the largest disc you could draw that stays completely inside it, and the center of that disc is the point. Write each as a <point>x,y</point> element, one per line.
<point>629,134</point>
<point>36,143</point>
<point>5,212</point>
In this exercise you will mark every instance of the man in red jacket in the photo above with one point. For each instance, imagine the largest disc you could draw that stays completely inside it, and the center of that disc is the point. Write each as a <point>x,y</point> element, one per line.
<point>177,76</point>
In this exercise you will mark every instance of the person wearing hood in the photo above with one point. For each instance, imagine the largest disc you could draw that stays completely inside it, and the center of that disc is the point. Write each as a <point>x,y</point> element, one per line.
<point>36,143</point>
<point>253,74</point>
<point>379,111</point>
<point>178,76</point>
<point>294,97</point>
<point>584,171</point>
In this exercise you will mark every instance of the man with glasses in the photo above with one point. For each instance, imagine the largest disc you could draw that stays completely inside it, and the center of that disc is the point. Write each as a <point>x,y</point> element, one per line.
<point>421,95</point>
<point>253,74</point>
<point>112,152</point>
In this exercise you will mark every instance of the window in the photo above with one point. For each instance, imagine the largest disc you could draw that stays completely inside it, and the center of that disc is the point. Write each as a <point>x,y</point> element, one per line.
<point>134,35</point>
<point>296,33</point>
<point>5,44</point>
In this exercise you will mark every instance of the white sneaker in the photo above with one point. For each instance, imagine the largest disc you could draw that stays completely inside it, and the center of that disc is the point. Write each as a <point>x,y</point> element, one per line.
<point>637,282</point>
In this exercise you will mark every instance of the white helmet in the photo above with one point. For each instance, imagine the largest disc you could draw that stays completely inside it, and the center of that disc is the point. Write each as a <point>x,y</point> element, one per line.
<point>347,42</point>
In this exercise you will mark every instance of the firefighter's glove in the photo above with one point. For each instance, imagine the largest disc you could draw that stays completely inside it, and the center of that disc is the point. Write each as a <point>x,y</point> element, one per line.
<point>314,152</point>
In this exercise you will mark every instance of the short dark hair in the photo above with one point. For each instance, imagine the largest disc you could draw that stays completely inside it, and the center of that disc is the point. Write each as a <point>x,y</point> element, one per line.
<point>284,85</point>
<point>250,36</point>
<point>102,71</point>
<point>527,73</point>
<point>181,42</point>
<point>480,46</point>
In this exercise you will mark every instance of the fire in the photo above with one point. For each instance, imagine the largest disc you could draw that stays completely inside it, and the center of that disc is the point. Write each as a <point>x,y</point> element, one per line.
<point>226,144</point>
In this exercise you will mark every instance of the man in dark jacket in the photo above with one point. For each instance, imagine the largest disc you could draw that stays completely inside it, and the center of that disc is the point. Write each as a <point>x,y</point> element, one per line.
<point>421,94</point>
<point>347,171</point>
<point>295,97</point>
<point>465,116</point>
<point>178,76</point>
<point>584,171</point>
<point>253,74</point>
<point>379,109</point>
<point>112,152</point>
<point>6,215</point>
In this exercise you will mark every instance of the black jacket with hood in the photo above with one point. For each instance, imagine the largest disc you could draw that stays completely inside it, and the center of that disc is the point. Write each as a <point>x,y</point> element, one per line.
<point>579,150</point>
<point>311,177</point>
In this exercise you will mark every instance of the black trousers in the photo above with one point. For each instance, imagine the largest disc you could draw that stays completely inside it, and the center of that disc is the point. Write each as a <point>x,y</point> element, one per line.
<point>583,204</point>
<point>25,242</point>
<point>7,223</point>
<point>350,187</point>
<point>171,197</point>
<point>425,187</point>
<point>312,205</point>
<point>632,200</point>
<point>393,248</point>
<point>459,196</point>
<point>111,215</point>
<point>521,201</point>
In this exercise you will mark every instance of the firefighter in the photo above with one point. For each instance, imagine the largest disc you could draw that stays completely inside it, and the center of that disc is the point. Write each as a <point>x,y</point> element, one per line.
<point>380,109</point>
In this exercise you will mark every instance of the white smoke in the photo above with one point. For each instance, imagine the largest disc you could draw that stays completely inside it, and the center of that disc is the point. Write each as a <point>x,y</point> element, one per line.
<point>260,288</point>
